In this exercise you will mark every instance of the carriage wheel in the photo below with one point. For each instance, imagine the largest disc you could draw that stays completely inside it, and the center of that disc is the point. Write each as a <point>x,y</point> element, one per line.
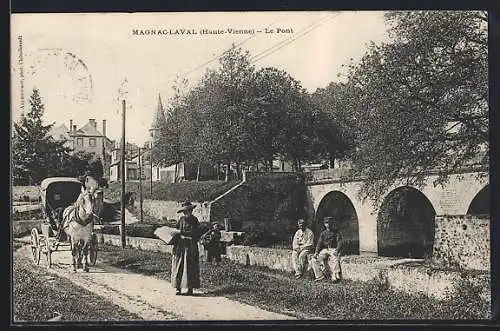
<point>35,246</point>
<point>93,250</point>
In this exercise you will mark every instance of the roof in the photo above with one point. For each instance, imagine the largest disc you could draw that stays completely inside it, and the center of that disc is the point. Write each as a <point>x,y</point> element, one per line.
<point>131,160</point>
<point>88,130</point>
<point>159,115</point>
<point>50,180</point>
<point>59,132</point>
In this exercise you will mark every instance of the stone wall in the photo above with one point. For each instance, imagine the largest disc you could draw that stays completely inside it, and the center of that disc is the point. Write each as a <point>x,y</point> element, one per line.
<point>463,241</point>
<point>147,244</point>
<point>168,209</point>
<point>278,259</point>
<point>135,242</point>
<point>422,279</point>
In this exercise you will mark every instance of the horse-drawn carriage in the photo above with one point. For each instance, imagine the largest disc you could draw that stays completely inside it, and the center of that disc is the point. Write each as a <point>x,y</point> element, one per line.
<point>70,210</point>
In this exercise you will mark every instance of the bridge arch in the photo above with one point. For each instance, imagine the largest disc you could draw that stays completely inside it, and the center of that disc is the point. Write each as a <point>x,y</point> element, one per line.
<point>480,204</point>
<point>405,224</point>
<point>340,206</point>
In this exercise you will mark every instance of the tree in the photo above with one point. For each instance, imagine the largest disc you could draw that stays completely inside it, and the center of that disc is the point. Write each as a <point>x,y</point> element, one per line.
<point>333,121</point>
<point>36,154</point>
<point>421,100</point>
<point>281,116</point>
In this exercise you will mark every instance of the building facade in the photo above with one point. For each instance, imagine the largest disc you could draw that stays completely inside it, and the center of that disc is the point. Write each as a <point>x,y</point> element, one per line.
<point>87,139</point>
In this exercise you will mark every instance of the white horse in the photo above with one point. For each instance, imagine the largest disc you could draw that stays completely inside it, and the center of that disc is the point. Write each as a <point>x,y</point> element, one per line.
<point>78,224</point>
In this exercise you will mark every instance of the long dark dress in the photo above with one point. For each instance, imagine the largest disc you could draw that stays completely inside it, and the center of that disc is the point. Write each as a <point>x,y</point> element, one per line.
<point>185,255</point>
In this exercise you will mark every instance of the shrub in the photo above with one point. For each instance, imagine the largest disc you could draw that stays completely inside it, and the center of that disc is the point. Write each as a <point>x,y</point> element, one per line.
<point>267,234</point>
<point>195,191</point>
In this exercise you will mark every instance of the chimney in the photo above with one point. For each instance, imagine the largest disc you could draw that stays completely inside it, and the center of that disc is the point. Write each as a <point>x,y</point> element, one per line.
<point>93,122</point>
<point>70,126</point>
<point>104,128</point>
<point>74,128</point>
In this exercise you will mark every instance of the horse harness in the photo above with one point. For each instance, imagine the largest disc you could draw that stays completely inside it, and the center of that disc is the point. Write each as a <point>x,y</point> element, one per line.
<point>73,214</point>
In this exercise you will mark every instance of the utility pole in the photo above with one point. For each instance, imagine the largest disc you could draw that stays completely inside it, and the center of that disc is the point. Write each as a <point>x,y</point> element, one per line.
<point>140,183</point>
<point>122,210</point>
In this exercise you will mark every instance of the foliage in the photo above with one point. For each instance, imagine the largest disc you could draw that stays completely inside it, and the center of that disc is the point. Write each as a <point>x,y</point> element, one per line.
<point>36,154</point>
<point>242,117</point>
<point>268,234</point>
<point>79,162</point>
<point>167,141</point>
<point>194,191</point>
<point>420,101</point>
<point>334,125</point>
<point>273,198</point>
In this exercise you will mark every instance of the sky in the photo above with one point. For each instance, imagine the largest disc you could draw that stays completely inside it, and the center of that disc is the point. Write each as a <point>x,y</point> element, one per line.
<point>103,52</point>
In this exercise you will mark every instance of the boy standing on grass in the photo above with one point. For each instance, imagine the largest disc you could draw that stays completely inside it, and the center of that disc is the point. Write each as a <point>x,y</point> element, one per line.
<point>326,259</point>
<point>211,242</point>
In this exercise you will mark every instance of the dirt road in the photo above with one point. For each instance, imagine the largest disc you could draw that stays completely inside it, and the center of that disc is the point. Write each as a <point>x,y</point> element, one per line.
<point>149,297</point>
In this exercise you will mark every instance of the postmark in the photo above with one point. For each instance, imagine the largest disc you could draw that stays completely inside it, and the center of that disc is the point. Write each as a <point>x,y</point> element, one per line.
<point>64,70</point>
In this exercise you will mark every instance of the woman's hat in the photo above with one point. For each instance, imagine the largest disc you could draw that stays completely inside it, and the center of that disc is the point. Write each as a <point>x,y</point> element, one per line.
<point>186,205</point>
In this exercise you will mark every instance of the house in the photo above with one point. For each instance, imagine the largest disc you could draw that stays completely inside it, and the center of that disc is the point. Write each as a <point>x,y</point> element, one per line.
<point>87,139</point>
<point>131,161</point>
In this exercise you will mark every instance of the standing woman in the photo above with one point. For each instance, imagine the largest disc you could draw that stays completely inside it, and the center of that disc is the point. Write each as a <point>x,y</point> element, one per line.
<point>185,255</point>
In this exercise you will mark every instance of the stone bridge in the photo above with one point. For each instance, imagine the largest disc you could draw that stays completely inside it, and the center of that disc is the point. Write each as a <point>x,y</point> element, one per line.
<point>405,220</point>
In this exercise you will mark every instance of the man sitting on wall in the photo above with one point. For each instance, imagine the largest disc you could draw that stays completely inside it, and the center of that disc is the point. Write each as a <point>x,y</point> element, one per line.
<point>326,259</point>
<point>302,246</point>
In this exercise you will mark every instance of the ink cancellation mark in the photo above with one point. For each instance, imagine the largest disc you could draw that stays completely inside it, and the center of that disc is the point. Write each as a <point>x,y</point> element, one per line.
<point>68,73</point>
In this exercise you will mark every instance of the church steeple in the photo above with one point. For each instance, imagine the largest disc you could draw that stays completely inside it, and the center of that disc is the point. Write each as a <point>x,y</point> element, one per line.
<point>158,116</point>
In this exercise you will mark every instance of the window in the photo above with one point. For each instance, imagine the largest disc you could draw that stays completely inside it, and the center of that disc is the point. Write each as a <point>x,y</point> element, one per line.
<point>92,142</point>
<point>79,141</point>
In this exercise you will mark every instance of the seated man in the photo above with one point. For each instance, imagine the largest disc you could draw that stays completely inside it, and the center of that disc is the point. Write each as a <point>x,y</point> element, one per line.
<point>326,259</point>
<point>302,246</point>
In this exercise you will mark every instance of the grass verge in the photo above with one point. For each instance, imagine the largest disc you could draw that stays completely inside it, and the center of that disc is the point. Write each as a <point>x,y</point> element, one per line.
<point>282,293</point>
<point>38,295</point>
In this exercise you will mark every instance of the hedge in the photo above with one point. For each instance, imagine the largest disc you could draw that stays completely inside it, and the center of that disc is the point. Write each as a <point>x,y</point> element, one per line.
<point>192,190</point>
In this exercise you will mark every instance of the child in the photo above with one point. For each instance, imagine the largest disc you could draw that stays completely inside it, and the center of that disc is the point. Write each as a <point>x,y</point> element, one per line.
<point>211,242</point>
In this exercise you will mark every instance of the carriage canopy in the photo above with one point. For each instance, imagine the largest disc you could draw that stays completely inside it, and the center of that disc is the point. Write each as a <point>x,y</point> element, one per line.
<point>58,192</point>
